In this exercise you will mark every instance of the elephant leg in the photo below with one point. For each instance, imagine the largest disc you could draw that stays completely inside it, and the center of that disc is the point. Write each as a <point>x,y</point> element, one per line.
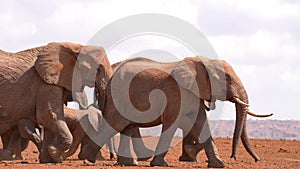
<point>89,150</point>
<point>24,143</point>
<point>5,155</point>
<point>190,149</point>
<point>49,138</point>
<point>5,137</point>
<point>124,152</point>
<point>27,131</point>
<point>112,149</point>
<point>142,152</point>
<point>214,161</point>
<point>60,146</point>
<point>202,135</point>
<point>78,135</point>
<point>50,114</point>
<point>37,141</point>
<point>168,131</point>
<point>187,141</point>
<point>14,145</point>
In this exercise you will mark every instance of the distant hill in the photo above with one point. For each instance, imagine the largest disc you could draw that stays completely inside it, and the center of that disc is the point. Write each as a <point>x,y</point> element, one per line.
<point>270,129</point>
<point>264,129</point>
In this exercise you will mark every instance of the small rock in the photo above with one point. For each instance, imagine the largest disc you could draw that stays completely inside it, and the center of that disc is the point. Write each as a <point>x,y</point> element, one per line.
<point>282,150</point>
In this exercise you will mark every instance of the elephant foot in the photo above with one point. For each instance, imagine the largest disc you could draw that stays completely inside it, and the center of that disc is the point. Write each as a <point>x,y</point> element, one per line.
<point>99,156</point>
<point>84,155</point>
<point>44,157</point>
<point>191,152</point>
<point>185,158</point>
<point>55,154</point>
<point>126,161</point>
<point>158,162</point>
<point>5,155</point>
<point>216,163</point>
<point>112,156</point>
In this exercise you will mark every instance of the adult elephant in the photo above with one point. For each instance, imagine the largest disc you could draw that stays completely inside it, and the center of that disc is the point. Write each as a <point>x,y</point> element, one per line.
<point>135,92</point>
<point>41,77</point>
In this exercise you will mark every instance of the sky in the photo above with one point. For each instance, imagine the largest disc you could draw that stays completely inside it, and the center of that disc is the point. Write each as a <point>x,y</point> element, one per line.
<point>260,39</point>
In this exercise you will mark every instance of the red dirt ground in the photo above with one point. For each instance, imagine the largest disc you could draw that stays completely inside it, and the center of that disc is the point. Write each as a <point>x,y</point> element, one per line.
<point>273,153</point>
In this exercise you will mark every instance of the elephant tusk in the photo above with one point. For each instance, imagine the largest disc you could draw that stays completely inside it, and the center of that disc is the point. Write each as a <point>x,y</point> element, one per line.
<point>258,115</point>
<point>237,100</point>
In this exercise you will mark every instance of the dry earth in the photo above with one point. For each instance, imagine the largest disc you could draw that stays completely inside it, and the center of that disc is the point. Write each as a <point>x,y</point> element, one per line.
<point>273,153</point>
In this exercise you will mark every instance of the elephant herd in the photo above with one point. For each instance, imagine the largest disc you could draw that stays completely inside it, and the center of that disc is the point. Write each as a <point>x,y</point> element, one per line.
<point>36,84</point>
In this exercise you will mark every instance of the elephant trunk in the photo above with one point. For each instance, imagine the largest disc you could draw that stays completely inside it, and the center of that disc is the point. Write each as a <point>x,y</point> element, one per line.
<point>63,142</point>
<point>246,143</point>
<point>241,105</point>
<point>239,124</point>
<point>64,136</point>
<point>102,80</point>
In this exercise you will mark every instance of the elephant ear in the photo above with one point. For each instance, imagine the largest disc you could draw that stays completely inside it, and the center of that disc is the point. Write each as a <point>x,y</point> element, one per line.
<point>198,75</point>
<point>217,78</point>
<point>95,118</point>
<point>185,75</point>
<point>56,62</point>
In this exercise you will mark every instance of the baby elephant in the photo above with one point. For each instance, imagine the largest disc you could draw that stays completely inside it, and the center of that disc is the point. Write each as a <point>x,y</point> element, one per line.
<point>16,138</point>
<point>92,118</point>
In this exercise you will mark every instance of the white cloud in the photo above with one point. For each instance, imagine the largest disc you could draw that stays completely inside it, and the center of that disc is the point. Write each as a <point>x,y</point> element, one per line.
<point>42,21</point>
<point>267,9</point>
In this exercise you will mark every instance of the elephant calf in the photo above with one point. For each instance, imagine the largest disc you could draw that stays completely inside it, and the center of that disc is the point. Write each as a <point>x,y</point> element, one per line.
<point>75,119</point>
<point>15,138</point>
<point>91,119</point>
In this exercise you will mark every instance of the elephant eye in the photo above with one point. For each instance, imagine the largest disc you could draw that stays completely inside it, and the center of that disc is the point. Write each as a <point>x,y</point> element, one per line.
<point>227,78</point>
<point>100,68</point>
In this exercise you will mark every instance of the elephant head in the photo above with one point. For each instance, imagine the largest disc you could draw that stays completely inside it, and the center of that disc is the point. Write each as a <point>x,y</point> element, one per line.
<point>213,80</point>
<point>64,63</point>
<point>103,77</point>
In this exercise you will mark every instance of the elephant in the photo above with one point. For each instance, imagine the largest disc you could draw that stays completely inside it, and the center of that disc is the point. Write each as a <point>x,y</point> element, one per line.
<point>80,120</point>
<point>75,119</point>
<point>139,146</point>
<point>41,77</point>
<point>16,139</point>
<point>135,91</point>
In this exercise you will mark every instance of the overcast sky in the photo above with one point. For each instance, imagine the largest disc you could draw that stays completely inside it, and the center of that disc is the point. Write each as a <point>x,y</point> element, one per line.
<point>260,39</point>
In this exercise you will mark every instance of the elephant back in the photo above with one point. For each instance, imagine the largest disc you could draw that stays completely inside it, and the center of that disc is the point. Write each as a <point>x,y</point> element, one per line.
<point>14,65</point>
